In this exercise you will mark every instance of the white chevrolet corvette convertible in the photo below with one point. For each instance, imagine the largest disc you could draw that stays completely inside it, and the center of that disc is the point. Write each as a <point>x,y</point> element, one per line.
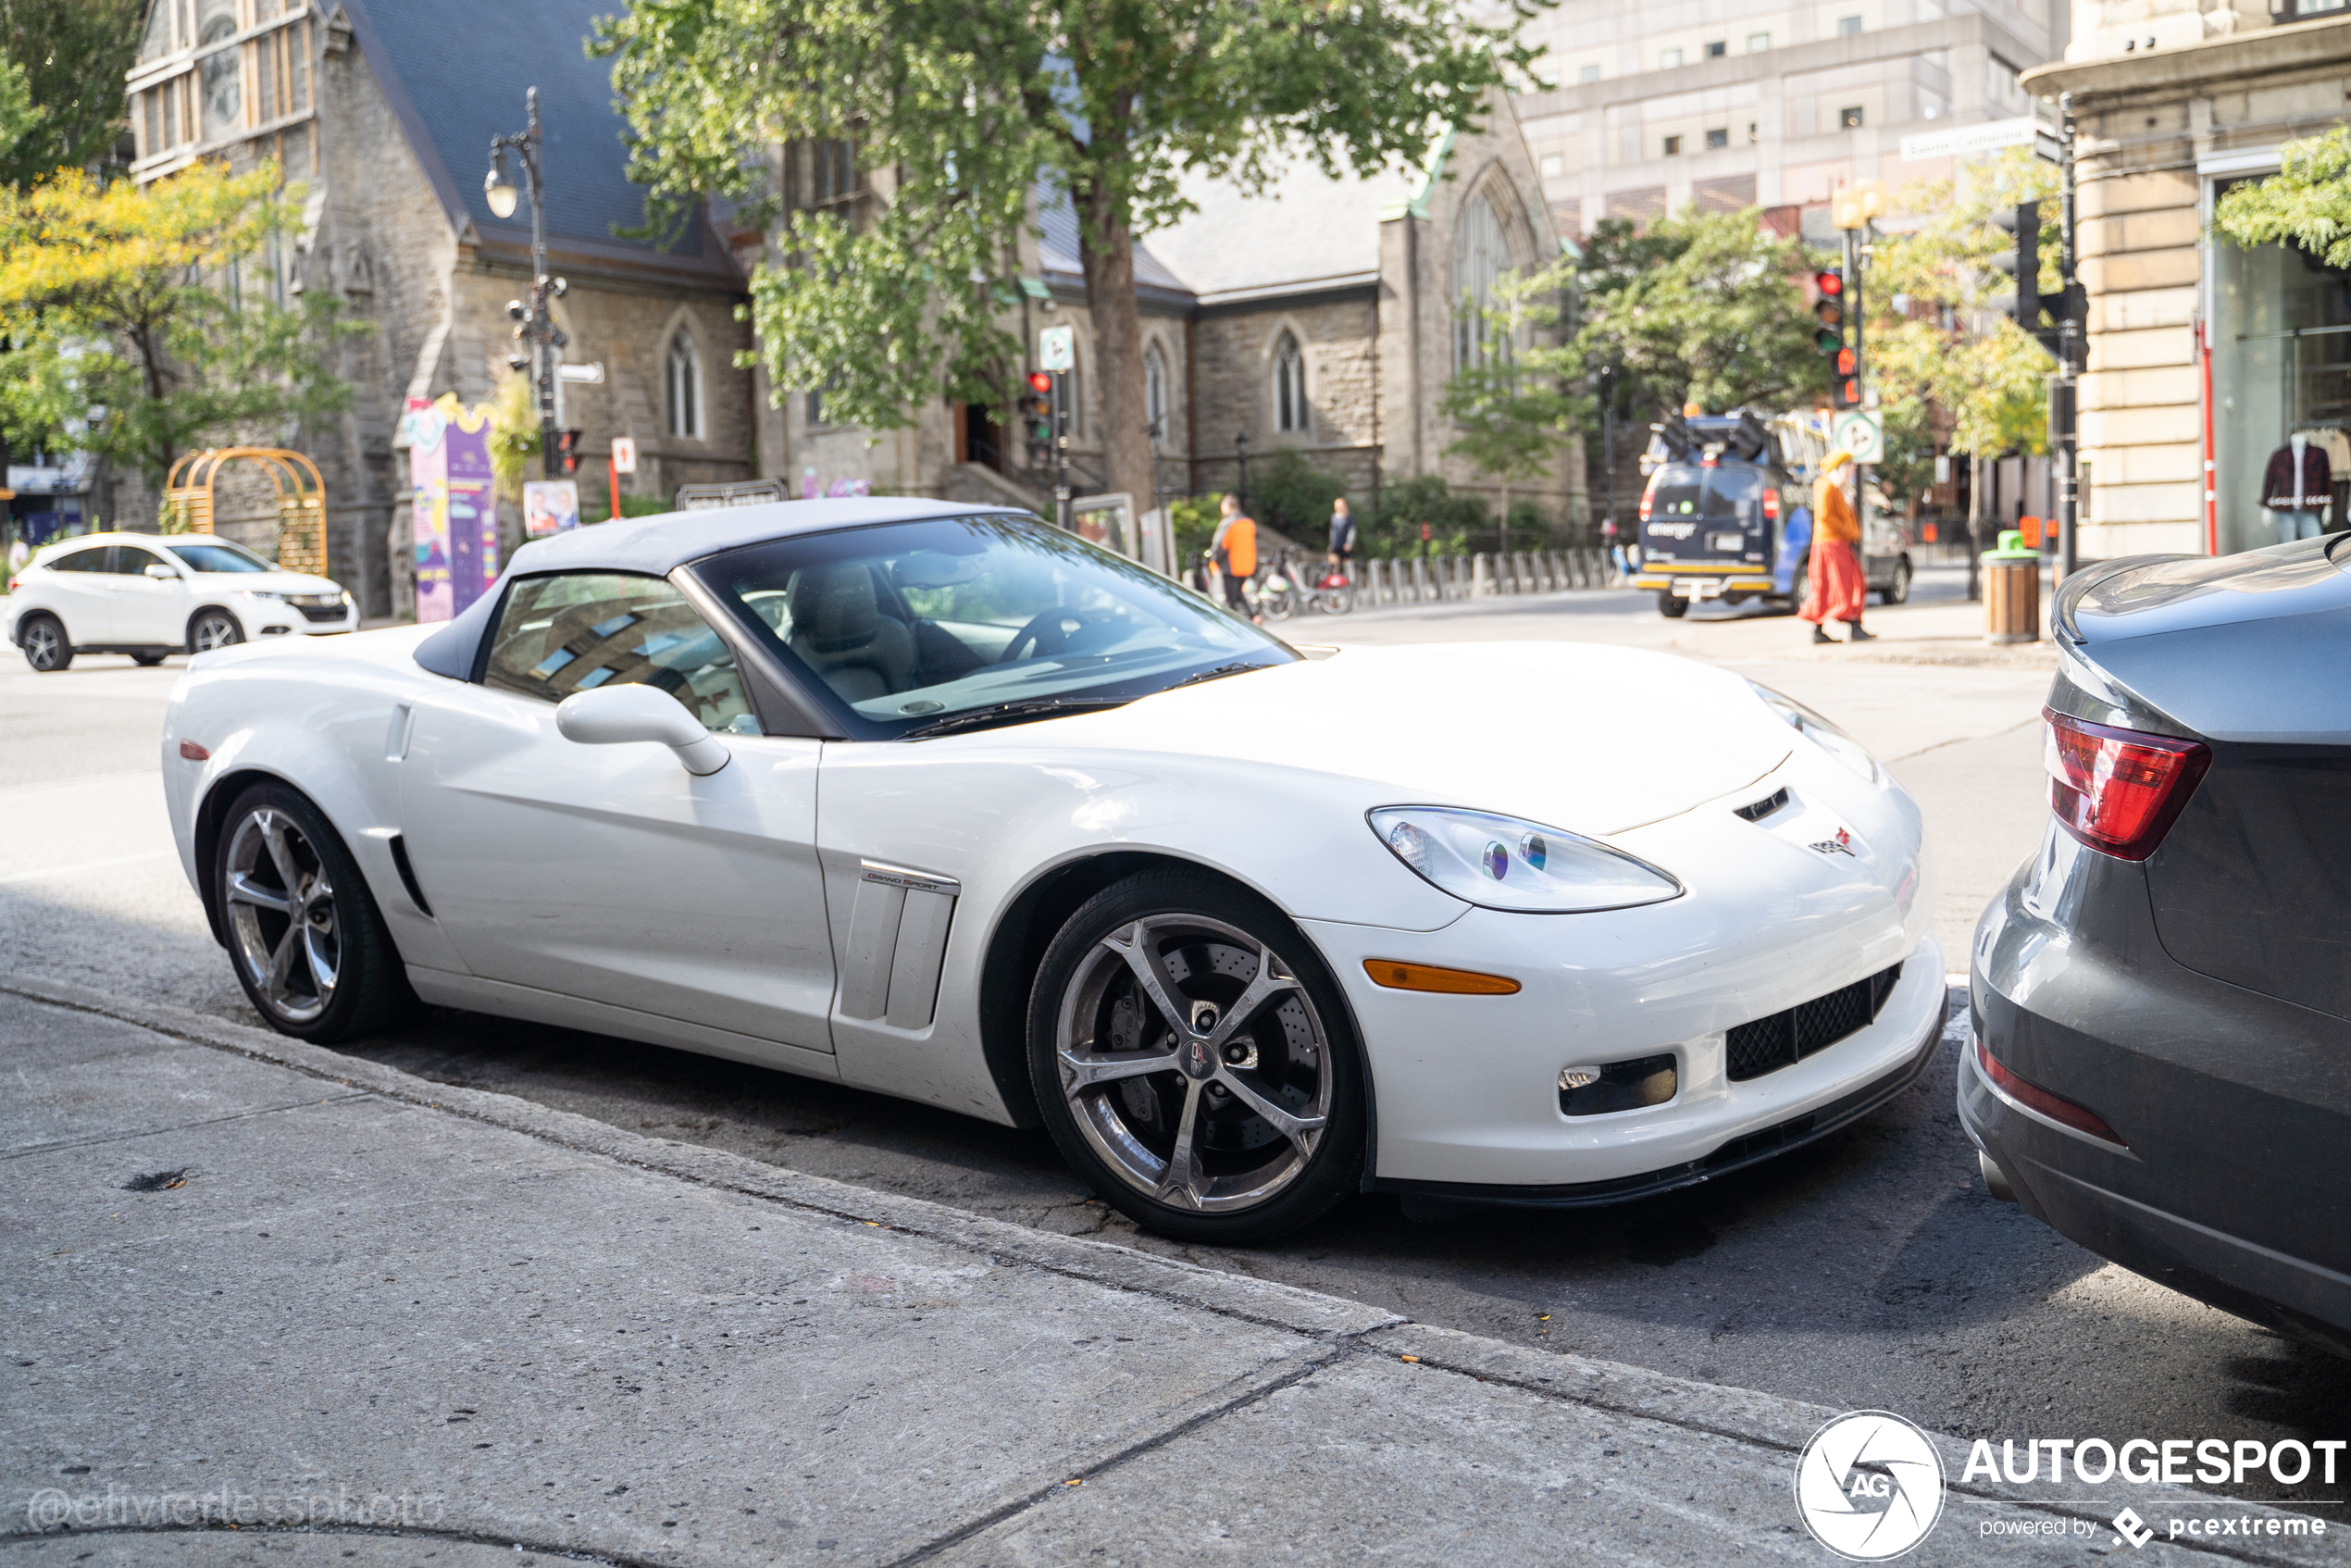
<point>944,803</point>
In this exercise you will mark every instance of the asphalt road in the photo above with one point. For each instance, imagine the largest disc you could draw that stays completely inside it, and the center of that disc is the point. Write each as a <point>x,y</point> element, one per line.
<point>1870,1269</point>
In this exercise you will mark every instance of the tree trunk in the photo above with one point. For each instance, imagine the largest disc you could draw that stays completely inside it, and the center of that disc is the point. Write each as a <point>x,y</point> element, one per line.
<point>1106,252</point>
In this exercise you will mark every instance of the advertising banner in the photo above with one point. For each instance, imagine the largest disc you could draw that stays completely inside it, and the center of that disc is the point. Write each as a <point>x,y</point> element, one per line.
<point>550,506</point>
<point>455,506</point>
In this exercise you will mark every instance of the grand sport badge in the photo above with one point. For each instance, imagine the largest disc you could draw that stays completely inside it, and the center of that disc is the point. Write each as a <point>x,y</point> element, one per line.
<point>1869,1486</point>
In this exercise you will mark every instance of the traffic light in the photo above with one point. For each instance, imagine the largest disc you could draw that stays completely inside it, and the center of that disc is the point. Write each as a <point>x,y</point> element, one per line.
<point>568,448</point>
<point>2023,263</point>
<point>1037,412</point>
<point>1828,311</point>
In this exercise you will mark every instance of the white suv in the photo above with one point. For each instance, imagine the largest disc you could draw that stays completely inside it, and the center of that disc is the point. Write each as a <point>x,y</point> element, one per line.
<point>151,595</point>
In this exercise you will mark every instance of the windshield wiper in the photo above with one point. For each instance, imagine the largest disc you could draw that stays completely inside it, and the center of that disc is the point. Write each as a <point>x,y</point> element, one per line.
<point>1011,712</point>
<point>1219,673</point>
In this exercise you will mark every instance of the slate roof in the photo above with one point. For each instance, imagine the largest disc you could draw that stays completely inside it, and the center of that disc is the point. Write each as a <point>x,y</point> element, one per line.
<point>1307,231</point>
<point>455,71</point>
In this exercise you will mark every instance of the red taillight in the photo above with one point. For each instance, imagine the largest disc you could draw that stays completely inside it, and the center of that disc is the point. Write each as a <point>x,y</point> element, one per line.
<point>15,583</point>
<point>1771,502</point>
<point>194,752</point>
<point>2119,790</point>
<point>1647,496</point>
<point>2033,1097</point>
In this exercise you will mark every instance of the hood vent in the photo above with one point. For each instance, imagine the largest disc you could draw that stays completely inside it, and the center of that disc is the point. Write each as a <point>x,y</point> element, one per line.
<point>1756,811</point>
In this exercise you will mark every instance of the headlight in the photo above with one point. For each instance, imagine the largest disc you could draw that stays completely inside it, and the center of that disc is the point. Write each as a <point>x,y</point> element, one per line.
<point>1507,862</point>
<point>1820,731</point>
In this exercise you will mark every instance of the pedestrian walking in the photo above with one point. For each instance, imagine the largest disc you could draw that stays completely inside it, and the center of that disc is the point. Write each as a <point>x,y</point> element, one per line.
<point>1613,549</point>
<point>1235,552</point>
<point>1838,587</point>
<point>1342,543</point>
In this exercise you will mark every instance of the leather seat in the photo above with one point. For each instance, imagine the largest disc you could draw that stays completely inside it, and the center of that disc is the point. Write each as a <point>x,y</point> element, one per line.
<point>839,629</point>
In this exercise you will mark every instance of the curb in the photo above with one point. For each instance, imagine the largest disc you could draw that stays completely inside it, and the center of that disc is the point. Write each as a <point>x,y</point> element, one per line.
<point>1343,1328</point>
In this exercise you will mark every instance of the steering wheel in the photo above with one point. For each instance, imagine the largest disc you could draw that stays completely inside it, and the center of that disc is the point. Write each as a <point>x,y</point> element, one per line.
<point>1049,633</point>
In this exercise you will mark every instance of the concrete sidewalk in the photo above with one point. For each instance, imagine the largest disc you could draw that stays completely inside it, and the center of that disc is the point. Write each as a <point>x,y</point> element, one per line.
<point>391,1322</point>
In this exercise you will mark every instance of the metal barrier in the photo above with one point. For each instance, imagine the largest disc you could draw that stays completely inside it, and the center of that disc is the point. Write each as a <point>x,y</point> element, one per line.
<point>1425,580</point>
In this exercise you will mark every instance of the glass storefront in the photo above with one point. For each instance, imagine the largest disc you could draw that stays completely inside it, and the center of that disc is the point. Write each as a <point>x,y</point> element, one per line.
<point>2281,368</point>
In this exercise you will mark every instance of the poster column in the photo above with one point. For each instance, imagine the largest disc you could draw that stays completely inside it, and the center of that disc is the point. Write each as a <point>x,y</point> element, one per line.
<point>455,505</point>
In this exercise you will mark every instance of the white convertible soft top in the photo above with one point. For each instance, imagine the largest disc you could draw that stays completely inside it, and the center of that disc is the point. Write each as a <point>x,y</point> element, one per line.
<point>657,546</point>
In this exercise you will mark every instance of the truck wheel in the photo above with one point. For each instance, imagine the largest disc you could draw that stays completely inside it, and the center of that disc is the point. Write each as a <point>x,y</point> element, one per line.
<point>1897,591</point>
<point>1672,606</point>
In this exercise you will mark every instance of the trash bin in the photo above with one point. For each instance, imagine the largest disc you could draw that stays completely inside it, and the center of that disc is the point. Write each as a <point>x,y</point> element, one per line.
<point>2012,590</point>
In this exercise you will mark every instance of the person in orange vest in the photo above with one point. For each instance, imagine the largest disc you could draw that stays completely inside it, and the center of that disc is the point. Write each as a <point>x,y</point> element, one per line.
<point>1838,587</point>
<point>1235,552</point>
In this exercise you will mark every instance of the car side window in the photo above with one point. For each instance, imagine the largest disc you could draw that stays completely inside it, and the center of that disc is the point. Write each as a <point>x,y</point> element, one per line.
<point>92,560</point>
<point>131,561</point>
<point>575,632</point>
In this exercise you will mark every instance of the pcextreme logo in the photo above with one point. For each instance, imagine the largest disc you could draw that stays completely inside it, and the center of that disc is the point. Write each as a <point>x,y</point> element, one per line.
<point>1869,1486</point>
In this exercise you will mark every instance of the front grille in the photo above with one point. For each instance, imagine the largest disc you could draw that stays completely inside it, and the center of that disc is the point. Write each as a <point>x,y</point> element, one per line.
<point>1787,1037</point>
<point>328,612</point>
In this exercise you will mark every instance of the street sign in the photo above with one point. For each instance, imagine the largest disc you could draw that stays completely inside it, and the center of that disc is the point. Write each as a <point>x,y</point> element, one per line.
<point>582,374</point>
<point>1862,433</point>
<point>624,455</point>
<point>1962,139</point>
<point>1057,348</point>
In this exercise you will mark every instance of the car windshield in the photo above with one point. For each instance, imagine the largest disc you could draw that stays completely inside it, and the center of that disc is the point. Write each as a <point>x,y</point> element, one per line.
<point>907,626</point>
<point>217,555</point>
<point>1733,493</point>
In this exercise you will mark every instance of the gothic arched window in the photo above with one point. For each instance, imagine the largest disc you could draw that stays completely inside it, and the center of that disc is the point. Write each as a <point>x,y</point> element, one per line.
<point>1480,255</point>
<point>685,386</point>
<point>1155,392</point>
<point>1290,384</point>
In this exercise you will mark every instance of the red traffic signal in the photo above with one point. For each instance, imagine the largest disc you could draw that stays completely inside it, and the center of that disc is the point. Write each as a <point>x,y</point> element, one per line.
<point>567,449</point>
<point>1830,284</point>
<point>1040,383</point>
<point>1850,394</point>
<point>1845,365</point>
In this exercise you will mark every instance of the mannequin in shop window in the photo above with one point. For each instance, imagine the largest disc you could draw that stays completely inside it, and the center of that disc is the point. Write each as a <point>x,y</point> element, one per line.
<point>2298,489</point>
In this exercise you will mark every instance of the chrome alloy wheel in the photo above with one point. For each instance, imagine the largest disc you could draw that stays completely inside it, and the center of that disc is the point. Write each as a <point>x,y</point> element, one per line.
<point>281,910</point>
<point>43,642</point>
<point>1194,1063</point>
<point>217,630</point>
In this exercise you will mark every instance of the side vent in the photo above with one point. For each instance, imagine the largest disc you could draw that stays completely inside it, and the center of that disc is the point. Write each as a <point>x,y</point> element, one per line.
<point>897,943</point>
<point>1756,811</point>
<point>408,876</point>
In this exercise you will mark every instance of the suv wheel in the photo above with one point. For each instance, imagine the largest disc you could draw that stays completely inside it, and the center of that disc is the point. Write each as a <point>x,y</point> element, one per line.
<point>42,638</point>
<point>213,628</point>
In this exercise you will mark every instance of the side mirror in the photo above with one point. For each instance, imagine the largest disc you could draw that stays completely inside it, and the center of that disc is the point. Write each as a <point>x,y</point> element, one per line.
<point>162,573</point>
<point>612,715</point>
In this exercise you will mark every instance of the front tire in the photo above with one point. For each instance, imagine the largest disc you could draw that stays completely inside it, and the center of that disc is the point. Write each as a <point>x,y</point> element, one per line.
<point>209,629</point>
<point>147,661</point>
<point>1194,1061</point>
<point>46,648</point>
<point>308,943</point>
<point>1672,606</point>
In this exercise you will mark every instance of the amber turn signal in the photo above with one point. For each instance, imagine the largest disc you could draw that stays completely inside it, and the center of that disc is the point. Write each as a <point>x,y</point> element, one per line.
<point>194,752</point>
<point>1398,975</point>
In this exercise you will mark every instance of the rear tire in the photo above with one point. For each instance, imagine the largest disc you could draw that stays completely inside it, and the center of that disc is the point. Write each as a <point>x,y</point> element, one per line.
<point>148,661</point>
<point>1897,591</point>
<point>1804,585</point>
<point>46,647</point>
<point>304,935</point>
<point>1232,1113</point>
<point>1672,606</point>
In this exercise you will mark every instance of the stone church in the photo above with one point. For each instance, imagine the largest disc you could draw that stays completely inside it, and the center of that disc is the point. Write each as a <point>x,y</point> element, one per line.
<point>384,111</point>
<point>1324,316</point>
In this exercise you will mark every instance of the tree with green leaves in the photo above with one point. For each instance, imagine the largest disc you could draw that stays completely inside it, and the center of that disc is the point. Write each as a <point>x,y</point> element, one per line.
<point>1964,357</point>
<point>1513,405</point>
<point>74,54</point>
<point>1700,306</point>
<point>965,114</point>
<point>134,327</point>
<point>2306,203</point>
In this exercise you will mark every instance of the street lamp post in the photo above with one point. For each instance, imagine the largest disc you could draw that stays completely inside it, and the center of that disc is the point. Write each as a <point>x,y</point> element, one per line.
<point>1240,464</point>
<point>534,320</point>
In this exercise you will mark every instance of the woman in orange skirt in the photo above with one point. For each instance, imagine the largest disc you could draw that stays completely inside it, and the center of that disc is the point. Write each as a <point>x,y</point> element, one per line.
<point>1838,587</point>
